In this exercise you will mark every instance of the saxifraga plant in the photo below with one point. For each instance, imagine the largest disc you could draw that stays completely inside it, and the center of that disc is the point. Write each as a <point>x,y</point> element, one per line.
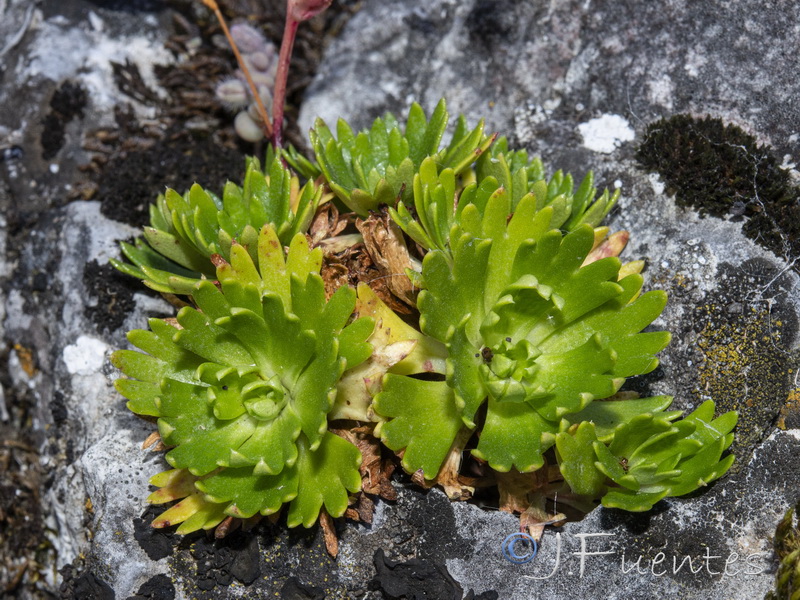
<point>242,386</point>
<point>529,326</point>
<point>529,318</point>
<point>787,550</point>
<point>188,233</point>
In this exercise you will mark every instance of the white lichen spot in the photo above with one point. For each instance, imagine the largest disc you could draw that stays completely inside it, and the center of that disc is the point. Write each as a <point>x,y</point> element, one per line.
<point>86,356</point>
<point>656,183</point>
<point>606,133</point>
<point>95,21</point>
<point>795,433</point>
<point>696,59</point>
<point>661,91</point>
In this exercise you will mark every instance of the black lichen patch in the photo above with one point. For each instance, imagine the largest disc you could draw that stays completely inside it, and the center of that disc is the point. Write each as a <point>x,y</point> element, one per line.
<point>131,180</point>
<point>67,103</point>
<point>156,588</point>
<point>80,584</point>
<point>263,560</point>
<point>113,293</point>
<point>634,523</point>
<point>418,579</point>
<point>220,562</point>
<point>415,578</point>
<point>720,170</point>
<point>491,22</point>
<point>294,589</point>
<point>157,543</point>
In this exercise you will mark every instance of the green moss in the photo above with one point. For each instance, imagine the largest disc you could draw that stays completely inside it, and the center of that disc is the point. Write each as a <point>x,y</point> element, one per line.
<point>721,170</point>
<point>787,549</point>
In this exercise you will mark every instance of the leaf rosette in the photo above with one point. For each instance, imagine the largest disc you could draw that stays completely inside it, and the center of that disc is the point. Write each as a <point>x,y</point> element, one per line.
<point>786,544</point>
<point>529,324</point>
<point>243,384</point>
<point>440,195</point>
<point>646,457</point>
<point>187,231</point>
<point>377,166</point>
<point>531,332</point>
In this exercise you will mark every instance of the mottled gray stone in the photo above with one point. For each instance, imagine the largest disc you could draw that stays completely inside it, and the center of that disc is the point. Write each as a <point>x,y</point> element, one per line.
<point>538,71</point>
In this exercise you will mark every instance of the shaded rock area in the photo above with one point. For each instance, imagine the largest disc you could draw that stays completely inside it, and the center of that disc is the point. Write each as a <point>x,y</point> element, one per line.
<point>576,82</point>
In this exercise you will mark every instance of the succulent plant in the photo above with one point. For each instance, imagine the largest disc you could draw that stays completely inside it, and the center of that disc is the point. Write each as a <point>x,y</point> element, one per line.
<point>636,462</point>
<point>787,549</point>
<point>377,166</point>
<point>242,387</point>
<point>528,329</point>
<point>189,232</point>
<point>529,325</point>
<point>435,193</point>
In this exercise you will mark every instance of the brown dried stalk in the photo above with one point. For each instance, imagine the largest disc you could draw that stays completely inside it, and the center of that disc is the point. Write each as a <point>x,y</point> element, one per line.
<point>262,111</point>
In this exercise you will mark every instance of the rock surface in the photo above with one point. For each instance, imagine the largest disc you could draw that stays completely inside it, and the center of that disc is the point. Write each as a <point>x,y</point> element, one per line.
<point>575,82</point>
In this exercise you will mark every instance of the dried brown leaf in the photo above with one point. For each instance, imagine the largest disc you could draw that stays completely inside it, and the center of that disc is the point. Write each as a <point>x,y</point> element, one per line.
<point>227,526</point>
<point>518,490</point>
<point>365,508</point>
<point>535,519</point>
<point>352,514</point>
<point>334,274</point>
<point>327,223</point>
<point>154,442</point>
<point>340,243</point>
<point>151,439</point>
<point>361,268</point>
<point>613,245</point>
<point>387,247</point>
<point>418,477</point>
<point>456,486</point>
<point>329,533</point>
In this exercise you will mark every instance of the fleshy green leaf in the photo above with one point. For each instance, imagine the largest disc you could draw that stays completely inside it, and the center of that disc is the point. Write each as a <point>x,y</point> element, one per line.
<point>514,435</point>
<point>576,459</point>
<point>325,477</point>
<point>378,166</point>
<point>424,421</point>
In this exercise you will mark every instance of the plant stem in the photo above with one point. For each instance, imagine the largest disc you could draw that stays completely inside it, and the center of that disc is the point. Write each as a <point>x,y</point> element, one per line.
<point>262,111</point>
<point>279,99</point>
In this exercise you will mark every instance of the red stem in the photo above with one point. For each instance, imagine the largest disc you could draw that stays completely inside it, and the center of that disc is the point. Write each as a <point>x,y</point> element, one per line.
<point>279,99</point>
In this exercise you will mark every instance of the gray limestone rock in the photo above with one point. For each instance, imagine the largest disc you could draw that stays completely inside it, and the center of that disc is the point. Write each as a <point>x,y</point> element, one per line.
<point>576,82</point>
